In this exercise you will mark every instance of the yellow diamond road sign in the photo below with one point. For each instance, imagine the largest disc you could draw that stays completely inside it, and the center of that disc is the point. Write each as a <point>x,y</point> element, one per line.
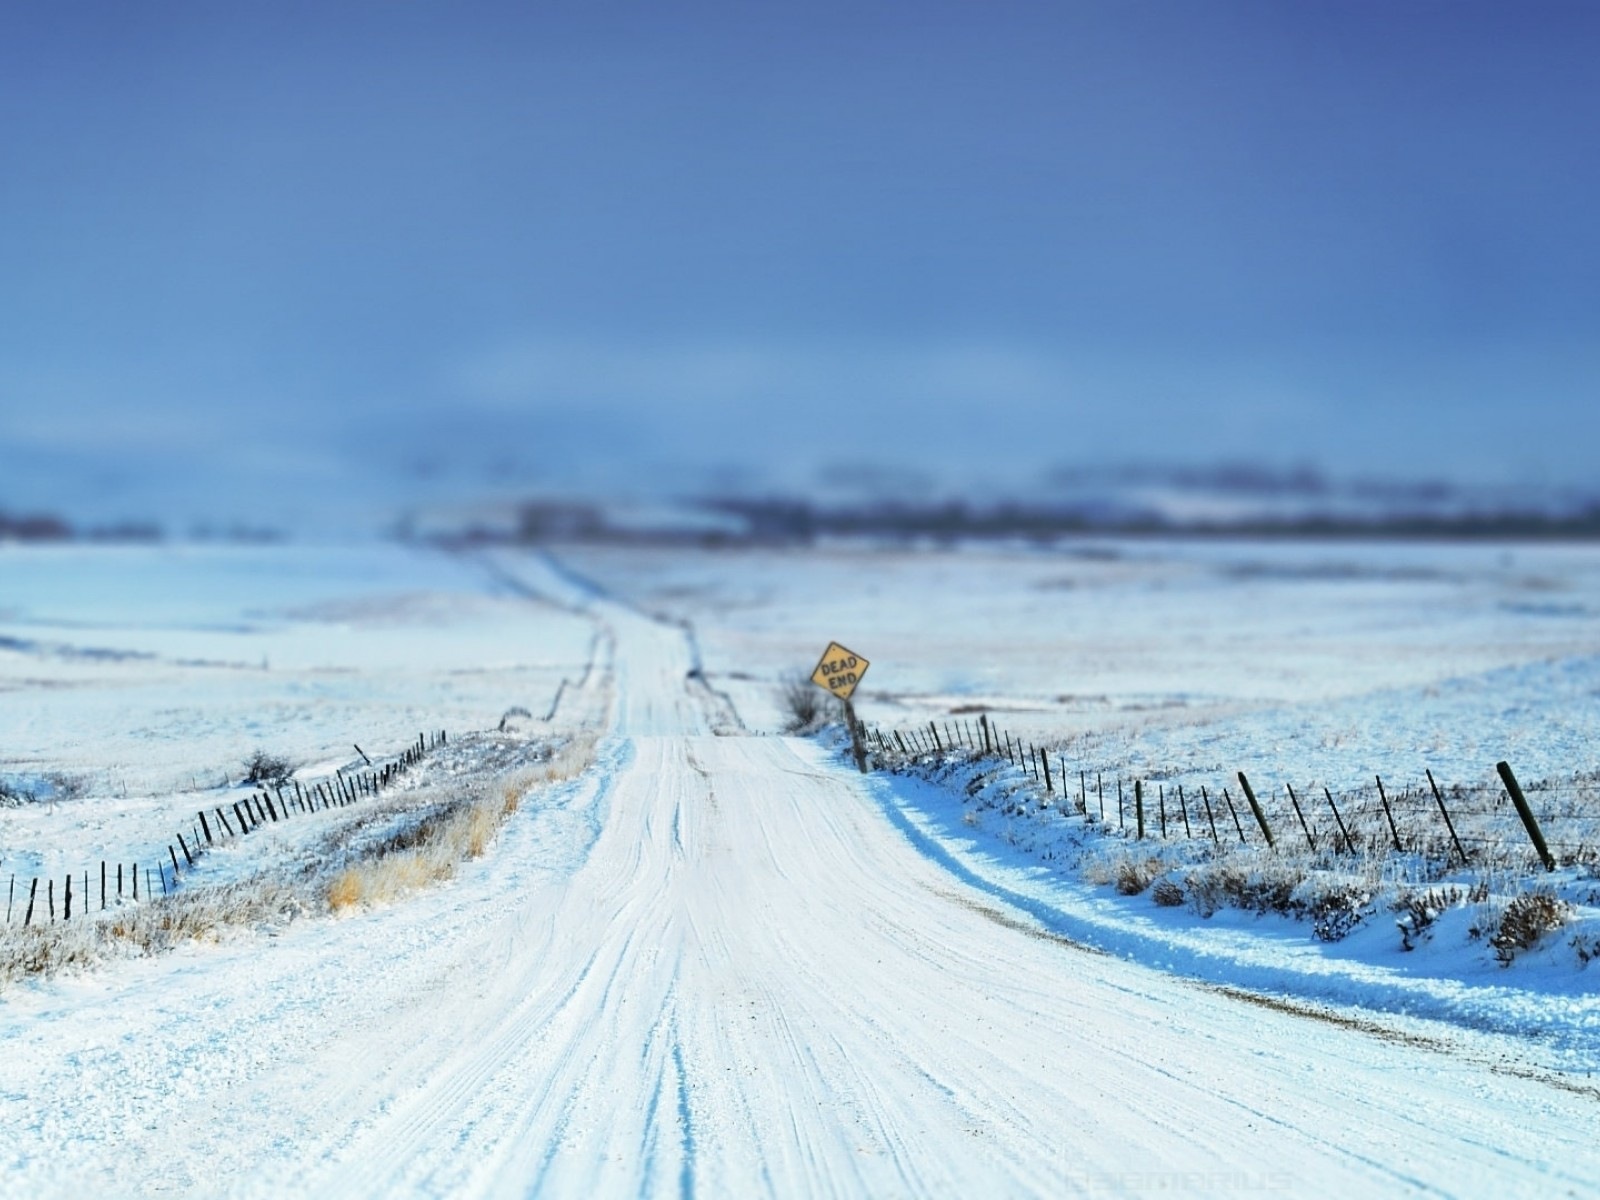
<point>839,671</point>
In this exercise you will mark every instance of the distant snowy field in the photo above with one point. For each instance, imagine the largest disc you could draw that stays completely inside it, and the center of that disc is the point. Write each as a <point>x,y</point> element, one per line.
<point>141,678</point>
<point>1340,659</point>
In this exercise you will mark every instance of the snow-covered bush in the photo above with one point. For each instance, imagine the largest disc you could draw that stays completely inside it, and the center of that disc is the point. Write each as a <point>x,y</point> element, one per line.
<point>1135,874</point>
<point>1254,883</point>
<point>1419,910</point>
<point>1335,905</point>
<point>1526,919</point>
<point>1167,893</point>
<point>263,768</point>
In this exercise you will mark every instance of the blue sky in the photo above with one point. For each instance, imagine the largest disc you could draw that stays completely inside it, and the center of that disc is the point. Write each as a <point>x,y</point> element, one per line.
<point>612,244</point>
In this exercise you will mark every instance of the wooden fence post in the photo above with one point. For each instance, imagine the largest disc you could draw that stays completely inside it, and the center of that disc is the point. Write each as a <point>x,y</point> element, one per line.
<point>1138,806</point>
<point>1295,800</point>
<point>1445,813</point>
<point>1514,790</point>
<point>1384,796</point>
<point>1161,802</point>
<point>1234,813</point>
<point>856,748</point>
<point>1211,820</point>
<point>1049,788</point>
<point>1261,819</point>
<point>1183,807</point>
<point>1349,846</point>
<point>33,892</point>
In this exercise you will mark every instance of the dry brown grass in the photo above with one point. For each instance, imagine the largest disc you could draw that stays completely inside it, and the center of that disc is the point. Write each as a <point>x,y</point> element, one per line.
<point>1130,874</point>
<point>147,928</point>
<point>1253,884</point>
<point>431,851</point>
<point>428,854</point>
<point>1167,893</point>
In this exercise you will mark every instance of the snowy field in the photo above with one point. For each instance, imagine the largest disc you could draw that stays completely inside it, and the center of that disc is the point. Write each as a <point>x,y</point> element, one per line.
<point>720,962</point>
<point>1353,656</point>
<point>135,682</point>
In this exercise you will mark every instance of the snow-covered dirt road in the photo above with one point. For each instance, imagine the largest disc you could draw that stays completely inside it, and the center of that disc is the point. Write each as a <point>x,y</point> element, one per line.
<point>713,966</point>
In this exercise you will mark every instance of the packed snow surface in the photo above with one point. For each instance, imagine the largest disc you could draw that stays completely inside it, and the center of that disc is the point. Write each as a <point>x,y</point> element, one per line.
<point>722,963</point>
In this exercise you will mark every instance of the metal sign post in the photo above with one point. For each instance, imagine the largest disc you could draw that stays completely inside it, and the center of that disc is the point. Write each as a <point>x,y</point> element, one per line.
<point>839,671</point>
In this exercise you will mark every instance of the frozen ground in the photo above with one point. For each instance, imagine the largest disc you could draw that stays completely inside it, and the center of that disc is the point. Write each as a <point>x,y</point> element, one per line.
<point>727,965</point>
<point>140,679</point>
<point>1151,650</point>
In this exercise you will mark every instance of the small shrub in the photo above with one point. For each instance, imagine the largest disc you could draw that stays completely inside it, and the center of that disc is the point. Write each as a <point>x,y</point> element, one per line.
<point>1528,918</point>
<point>1587,947</point>
<point>512,715</point>
<point>1419,910</point>
<point>802,700</point>
<point>264,768</point>
<point>1134,875</point>
<point>1336,908</point>
<point>66,787</point>
<point>1167,893</point>
<point>1254,887</point>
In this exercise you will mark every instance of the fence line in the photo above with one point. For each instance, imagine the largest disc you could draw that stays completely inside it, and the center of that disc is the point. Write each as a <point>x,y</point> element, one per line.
<point>251,813</point>
<point>1471,822</point>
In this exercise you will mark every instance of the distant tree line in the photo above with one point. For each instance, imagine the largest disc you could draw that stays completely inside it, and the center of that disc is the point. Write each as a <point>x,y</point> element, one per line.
<point>787,520</point>
<point>48,527</point>
<point>742,520</point>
